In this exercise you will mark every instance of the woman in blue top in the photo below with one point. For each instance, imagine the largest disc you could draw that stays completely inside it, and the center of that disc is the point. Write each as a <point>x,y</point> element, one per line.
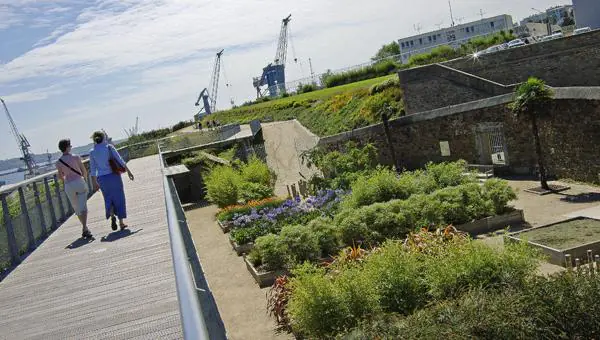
<point>109,182</point>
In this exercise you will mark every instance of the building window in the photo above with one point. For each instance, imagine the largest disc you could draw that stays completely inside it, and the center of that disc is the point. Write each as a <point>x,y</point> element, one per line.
<point>420,41</point>
<point>411,43</point>
<point>434,38</point>
<point>429,38</point>
<point>473,29</point>
<point>402,44</point>
<point>468,29</point>
<point>492,24</point>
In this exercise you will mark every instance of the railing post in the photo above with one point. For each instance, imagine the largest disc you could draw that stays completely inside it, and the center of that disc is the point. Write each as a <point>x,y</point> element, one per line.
<point>10,233</point>
<point>25,212</point>
<point>51,203</point>
<point>40,209</point>
<point>60,202</point>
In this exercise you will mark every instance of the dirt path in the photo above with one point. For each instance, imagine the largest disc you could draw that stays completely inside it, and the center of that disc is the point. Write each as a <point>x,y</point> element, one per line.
<point>241,303</point>
<point>284,143</point>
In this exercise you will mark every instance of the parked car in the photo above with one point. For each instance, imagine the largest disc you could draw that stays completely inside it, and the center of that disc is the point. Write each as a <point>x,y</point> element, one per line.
<point>552,37</point>
<point>516,43</point>
<point>582,30</point>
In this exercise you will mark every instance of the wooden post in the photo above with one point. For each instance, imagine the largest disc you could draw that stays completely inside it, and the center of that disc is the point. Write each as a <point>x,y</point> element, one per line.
<point>568,262</point>
<point>60,202</point>
<point>10,234</point>
<point>28,226</point>
<point>51,203</point>
<point>38,203</point>
<point>577,264</point>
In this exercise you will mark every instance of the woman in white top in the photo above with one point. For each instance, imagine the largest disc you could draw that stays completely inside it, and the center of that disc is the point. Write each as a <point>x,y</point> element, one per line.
<point>73,173</point>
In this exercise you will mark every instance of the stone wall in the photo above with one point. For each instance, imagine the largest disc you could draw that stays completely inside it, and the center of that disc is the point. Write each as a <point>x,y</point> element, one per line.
<point>569,61</point>
<point>435,86</point>
<point>570,135</point>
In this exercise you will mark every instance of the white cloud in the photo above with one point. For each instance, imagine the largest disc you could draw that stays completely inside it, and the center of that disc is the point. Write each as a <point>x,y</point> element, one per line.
<point>33,95</point>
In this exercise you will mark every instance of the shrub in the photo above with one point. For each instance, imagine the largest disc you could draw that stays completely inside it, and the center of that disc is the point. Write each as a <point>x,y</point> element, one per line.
<point>305,88</point>
<point>249,191</point>
<point>500,193</point>
<point>269,253</point>
<point>390,83</point>
<point>256,171</point>
<point>378,186</point>
<point>371,224</point>
<point>315,307</point>
<point>463,203</point>
<point>194,161</point>
<point>449,174</point>
<point>301,244</point>
<point>222,186</point>
<point>325,233</point>
<point>228,212</point>
<point>379,69</point>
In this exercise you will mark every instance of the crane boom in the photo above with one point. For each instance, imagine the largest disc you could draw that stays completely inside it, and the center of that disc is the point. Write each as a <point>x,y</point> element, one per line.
<point>22,142</point>
<point>214,81</point>
<point>281,54</point>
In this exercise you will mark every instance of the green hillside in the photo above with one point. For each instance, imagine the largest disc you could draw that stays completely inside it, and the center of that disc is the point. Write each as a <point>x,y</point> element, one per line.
<point>328,111</point>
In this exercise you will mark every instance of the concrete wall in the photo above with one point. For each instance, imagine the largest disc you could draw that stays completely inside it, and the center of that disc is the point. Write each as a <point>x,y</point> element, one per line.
<point>570,134</point>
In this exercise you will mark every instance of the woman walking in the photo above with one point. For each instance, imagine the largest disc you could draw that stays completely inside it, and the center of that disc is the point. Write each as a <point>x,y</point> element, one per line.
<point>73,174</point>
<point>106,166</point>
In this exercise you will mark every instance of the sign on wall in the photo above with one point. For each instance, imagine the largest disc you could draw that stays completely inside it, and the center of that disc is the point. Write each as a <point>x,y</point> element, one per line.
<point>445,148</point>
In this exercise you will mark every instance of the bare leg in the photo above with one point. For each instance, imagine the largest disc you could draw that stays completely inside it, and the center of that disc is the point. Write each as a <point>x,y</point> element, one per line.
<point>83,220</point>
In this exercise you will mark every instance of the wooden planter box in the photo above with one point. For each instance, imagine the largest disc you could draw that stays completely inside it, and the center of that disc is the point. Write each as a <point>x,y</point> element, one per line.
<point>241,249</point>
<point>225,226</point>
<point>513,219</point>
<point>264,279</point>
<point>558,256</point>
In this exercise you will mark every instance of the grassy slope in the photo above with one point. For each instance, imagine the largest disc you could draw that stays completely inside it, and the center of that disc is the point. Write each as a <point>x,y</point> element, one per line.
<point>324,112</point>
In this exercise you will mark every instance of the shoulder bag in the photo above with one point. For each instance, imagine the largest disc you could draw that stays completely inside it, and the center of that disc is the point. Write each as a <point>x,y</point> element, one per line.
<point>115,166</point>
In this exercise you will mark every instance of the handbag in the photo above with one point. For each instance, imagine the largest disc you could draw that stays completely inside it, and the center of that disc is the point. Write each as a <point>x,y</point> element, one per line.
<point>115,166</point>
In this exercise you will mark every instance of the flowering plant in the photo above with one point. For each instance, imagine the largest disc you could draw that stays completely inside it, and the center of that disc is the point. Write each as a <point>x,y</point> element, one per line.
<point>261,220</point>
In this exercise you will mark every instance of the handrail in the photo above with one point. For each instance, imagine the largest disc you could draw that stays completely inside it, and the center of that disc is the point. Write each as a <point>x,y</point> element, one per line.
<point>192,320</point>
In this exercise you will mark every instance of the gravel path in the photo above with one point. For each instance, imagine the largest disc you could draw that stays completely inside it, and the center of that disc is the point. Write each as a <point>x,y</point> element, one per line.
<point>241,303</point>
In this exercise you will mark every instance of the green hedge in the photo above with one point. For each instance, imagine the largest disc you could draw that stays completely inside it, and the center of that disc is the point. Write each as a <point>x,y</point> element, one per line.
<point>379,69</point>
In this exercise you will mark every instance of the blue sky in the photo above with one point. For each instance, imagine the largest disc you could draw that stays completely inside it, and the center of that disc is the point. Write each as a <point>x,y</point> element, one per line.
<point>69,67</point>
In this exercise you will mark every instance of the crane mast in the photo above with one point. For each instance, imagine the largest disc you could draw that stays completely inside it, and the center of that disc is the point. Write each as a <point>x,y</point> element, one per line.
<point>273,75</point>
<point>22,143</point>
<point>209,98</point>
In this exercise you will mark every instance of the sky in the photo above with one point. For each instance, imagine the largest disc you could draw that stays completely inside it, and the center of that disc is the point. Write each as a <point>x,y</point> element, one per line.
<point>69,67</point>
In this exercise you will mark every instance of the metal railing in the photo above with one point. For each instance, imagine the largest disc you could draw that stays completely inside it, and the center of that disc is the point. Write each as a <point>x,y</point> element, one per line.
<point>199,314</point>
<point>32,209</point>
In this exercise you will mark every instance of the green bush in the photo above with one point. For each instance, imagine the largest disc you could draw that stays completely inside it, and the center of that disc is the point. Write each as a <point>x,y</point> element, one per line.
<point>436,55</point>
<point>381,185</point>
<point>269,253</point>
<point>301,244</point>
<point>305,88</point>
<point>372,224</point>
<point>256,171</point>
<point>500,193</point>
<point>326,235</point>
<point>448,174</point>
<point>249,191</point>
<point>396,279</point>
<point>222,186</point>
<point>249,234</point>
<point>463,203</point>
<point>379,69</point>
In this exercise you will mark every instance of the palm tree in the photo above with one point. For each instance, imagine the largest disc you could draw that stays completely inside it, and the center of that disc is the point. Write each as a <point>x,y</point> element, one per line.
<point>531,98</point>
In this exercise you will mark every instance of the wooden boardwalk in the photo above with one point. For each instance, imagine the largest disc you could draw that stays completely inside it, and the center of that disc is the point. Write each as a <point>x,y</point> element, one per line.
<point>119,286</point>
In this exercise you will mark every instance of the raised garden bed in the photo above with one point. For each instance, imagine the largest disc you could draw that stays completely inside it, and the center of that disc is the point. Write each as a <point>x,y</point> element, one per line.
<point>264,279</point>
<point>572,237</point>
<point>513,219</point>
<point>225,226</point>
<point>241,249</point>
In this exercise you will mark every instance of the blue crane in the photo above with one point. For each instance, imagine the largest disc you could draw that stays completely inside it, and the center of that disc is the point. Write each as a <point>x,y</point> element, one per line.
<point>209,99</point>
<point>273,75</point>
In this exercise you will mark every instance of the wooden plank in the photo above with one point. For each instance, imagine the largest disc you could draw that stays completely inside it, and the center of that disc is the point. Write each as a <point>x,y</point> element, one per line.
<point>119,286</point>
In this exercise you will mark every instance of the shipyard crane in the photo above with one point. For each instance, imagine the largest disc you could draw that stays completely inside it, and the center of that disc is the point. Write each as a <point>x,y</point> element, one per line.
<point>274,74</point>
<point>22,142</point>
<point>134,130</point>
<point>209,99</point>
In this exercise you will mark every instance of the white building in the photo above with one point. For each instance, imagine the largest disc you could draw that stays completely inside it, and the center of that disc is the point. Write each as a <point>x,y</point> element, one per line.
<point>556,15</point>
<point>587,13</point>
<point>453,36</point>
